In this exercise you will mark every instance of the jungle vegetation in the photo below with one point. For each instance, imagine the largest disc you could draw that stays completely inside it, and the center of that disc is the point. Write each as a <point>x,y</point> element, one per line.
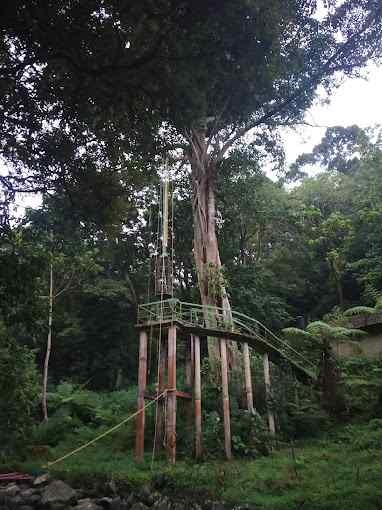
<point>97,97</point>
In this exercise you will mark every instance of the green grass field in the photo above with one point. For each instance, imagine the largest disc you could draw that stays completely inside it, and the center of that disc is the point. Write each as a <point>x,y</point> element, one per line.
<point>341,471</point>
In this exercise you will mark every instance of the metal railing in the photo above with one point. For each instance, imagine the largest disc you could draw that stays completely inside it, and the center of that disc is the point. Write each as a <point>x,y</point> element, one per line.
<point>217,319</point>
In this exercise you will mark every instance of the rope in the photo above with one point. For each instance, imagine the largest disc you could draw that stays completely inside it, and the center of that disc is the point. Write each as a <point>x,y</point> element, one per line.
<point>106,433</point>
<point>163,279</point>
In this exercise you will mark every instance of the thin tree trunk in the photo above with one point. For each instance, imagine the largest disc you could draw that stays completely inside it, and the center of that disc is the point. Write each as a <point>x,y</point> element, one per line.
<point>340,292</point>
<point>48,346</point>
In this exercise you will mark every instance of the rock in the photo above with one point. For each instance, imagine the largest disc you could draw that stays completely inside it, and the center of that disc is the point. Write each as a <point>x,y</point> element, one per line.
<point>105,502</point>
<point>87,504</point>
<point>116,504</point>
<point>41,480</point>
<point>34,500</point>
<point>162,504</point>
<point>27,495</point>
<point>179,506</point>
<point>58,493</point>
<point>10,490</point>
<point>145,496</point>
<point>139,506</point>
<point>111,503</point>
<point>112,487</point>
<point>15,501</point>
<point>129,502</point>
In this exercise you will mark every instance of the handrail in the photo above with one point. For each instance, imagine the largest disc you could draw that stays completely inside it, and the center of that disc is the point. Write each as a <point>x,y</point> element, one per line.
<point>216,318</point>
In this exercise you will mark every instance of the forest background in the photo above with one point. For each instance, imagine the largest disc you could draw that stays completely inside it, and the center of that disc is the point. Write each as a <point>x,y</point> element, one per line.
<point>292,250</point>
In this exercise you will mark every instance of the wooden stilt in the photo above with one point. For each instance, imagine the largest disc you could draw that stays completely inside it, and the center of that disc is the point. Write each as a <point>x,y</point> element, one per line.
<point>171,396</point>
<point>267,379</point>
<point>188,383</point>
<point>248,378</point>
<point>161,403</point>
<point>142,377</point>
<point>225,392</point>
<point>197,398</point>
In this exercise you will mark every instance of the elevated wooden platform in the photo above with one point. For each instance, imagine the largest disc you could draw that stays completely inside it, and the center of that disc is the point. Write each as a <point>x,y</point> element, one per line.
<point>212,321</point>
<point>168,318</point>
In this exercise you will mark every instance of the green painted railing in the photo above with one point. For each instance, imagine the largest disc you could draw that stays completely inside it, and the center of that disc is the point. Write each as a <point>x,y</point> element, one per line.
<point>218,319</point>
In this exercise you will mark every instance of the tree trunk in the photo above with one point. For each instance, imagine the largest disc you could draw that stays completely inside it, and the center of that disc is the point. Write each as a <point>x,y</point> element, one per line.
<point>206,250</point>
<point>340,293</point>
<point>48,346</point>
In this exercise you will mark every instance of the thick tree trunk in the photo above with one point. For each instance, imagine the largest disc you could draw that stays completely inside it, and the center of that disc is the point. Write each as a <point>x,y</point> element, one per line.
<point>206,249</point>
<point>48,347</point>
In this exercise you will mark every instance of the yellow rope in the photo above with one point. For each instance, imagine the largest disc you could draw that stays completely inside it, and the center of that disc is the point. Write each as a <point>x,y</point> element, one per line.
<point>107,432</point>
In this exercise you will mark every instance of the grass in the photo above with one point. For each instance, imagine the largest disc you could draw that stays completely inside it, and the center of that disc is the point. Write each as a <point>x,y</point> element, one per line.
<point>342,471</point>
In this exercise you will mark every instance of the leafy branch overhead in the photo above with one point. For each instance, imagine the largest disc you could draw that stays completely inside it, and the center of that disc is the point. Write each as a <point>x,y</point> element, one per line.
<point>88,85</point>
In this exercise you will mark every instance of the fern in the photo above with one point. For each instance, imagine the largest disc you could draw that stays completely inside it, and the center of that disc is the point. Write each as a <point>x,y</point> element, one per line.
<point>296,332</point>
<point>359,310</point>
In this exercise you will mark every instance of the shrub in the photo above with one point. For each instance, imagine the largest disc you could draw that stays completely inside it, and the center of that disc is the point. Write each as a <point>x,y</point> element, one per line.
<point>19,391</point>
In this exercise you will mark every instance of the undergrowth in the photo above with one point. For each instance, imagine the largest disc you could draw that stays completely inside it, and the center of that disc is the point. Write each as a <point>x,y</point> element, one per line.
<point>340,471</point>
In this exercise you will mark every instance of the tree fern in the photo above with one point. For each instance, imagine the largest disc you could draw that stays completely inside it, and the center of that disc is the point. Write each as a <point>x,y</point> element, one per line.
<point>359,310</point>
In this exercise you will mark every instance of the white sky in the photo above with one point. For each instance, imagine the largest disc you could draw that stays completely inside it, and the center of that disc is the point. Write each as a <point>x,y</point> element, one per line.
<point>356,101</point>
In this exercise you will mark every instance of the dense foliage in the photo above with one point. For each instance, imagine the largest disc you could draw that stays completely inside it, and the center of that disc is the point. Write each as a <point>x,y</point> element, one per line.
<point>94,95</point>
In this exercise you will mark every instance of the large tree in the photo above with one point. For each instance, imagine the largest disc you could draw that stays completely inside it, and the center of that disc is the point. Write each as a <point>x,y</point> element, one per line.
<point>106,81</point>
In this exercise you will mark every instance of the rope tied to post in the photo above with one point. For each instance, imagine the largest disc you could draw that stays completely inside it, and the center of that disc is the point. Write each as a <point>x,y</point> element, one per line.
<point>107,432</point>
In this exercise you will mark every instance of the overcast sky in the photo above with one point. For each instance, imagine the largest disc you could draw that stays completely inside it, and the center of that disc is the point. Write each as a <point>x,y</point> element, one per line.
<point>356,101</point>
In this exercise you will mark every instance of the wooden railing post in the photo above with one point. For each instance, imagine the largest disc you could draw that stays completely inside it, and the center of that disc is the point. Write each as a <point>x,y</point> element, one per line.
<point>268,394</point>
<point>142,377</point>
<point>248,378</point>
<point>171,396</point>
<point>197,398</point>
<point>225,394</point>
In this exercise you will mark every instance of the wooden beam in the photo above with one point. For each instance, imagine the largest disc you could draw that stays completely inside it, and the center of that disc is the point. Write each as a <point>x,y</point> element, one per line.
<point>171,395</point>
<point>142,379</point>
<point>248,378</point>
<point>197,397</point>
<point>225,392</point>
<point>268,394</point>
<point>178,394</point>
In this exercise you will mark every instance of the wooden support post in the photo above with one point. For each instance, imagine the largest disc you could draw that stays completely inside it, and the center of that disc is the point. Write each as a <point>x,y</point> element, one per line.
<point>248,378</point>
<point>197,398</point>
<point>171,396</point>
<point>161,403</point>
<point>188,383</point>
<point>142,377</point>
<point>225,392</point>
<point>267,379</point>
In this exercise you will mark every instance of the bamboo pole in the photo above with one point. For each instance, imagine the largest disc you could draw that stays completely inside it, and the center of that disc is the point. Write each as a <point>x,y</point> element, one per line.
<point>225,393</point>
<point>197,398</point>
<point>248,378</point>
<point>268,393</point>
<point>142,377</point>
<point>171,396</point>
